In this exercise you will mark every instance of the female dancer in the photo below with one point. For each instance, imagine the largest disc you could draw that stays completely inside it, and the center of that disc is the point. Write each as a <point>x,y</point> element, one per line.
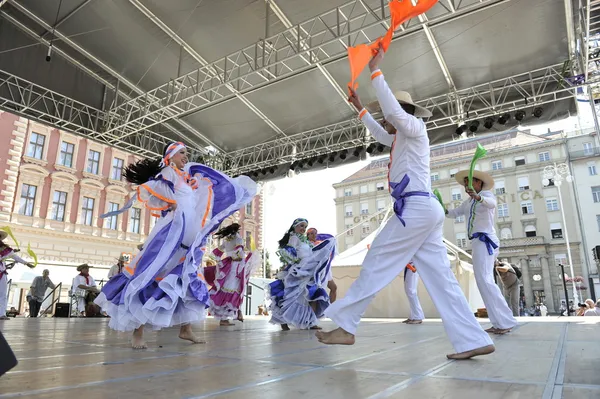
<point>298,296</point>
<point>162,286</point>
<point>315,239</point>
<point>6,253</point>
<point>233,274</point>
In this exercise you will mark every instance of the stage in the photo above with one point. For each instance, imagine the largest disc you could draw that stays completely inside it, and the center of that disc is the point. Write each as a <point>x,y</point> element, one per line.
<point>81,358</point>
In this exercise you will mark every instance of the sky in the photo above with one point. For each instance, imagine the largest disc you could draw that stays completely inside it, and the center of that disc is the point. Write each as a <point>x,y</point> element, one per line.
<point>310,195</point>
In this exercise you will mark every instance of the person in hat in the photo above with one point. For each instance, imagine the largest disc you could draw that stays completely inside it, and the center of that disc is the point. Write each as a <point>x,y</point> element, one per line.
<point>118,267</point>
<point>163,285</point>
<point>6,253</point>
<point>479,210</point>
<point>86,288</point>
<point>414,234</point>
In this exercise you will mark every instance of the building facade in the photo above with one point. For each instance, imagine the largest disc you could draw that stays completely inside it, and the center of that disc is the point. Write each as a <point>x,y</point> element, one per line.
<point>528,219</point>
<point>53,188</point>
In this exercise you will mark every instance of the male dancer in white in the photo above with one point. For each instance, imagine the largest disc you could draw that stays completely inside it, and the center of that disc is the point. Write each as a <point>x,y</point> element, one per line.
<point>480,209</point>
<point>415,234</point>
<point>411,281</point>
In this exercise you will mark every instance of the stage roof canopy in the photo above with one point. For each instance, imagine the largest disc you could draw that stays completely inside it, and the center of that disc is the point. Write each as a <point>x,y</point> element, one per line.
<point>262,84</point>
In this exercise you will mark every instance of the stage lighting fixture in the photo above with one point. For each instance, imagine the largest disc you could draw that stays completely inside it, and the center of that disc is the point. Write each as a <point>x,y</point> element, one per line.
<point>301,164</point>
<point>504,118</point>
<point>271,170</point>
<point>488,123</point>
<point>343,154</point>
<point>520,115</point>
<point>311,161</point>
<point>371,148</point>
<point>537,112</point>
<point>255,173</point>
<point>358,151</point>
<point>263,171</point>
<point>474,126</point>
<point>322,159</point>
<point>332,156</point>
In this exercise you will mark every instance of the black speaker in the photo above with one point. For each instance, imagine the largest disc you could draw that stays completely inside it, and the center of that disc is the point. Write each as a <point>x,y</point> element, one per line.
<point>7,357</point>
<point>62,310</point>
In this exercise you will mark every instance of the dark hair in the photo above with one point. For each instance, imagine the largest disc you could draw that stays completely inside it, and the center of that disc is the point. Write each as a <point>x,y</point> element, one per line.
<point>409,108</point>
<point>143,170</point>
<point>228,231</point>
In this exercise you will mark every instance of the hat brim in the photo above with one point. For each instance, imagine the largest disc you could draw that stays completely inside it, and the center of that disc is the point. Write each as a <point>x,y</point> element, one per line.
<point>81,267</point>
<point>420,112</point>
<point>488,181</point>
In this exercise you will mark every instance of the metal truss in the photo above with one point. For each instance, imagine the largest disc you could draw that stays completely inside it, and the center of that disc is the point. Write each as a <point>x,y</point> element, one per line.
<point>120,79</point>
<point>534,88</point>
<point>270,60</point>
<point>32,101</point>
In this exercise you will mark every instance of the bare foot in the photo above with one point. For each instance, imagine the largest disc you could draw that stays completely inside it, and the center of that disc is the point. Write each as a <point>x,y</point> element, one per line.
<point>406,321</point>
<point>502,331</point>
<point>315,328</point>
<point>415,322</point>
<point>285,327</point>
<point>225,323</point>
<point>240,316</point>
<point>484,350</point>
<point>137,342</point>
<point>491,330</point>
<point>185,333</point>
<point>335,337</point>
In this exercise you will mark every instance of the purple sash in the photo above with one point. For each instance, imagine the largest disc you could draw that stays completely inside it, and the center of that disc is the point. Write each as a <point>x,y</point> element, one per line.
<point>400,196</point>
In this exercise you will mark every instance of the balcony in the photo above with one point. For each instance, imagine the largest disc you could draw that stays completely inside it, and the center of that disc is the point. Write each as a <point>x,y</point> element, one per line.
<point>591,152</point>
<point>522,242</point>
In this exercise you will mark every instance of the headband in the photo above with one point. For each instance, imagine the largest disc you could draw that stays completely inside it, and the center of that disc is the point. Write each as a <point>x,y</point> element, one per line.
<point>299,221</point>
<point>173,149</point>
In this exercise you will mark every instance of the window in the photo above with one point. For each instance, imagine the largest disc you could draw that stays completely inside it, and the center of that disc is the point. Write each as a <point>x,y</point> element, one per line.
<point>348,210</point>
<point>364,209</point>
<point>66,154</point>
<point>364,189</point>
<point>544,156</point>
<point>527,207</point>
<point>453,172</point>
<point>249,208</point>
<point>496,165</point>
<point>135,216</point>
<point>598,221</point>
<point>380,205</point>
<point>349,230</point>
<point>460,219</point>
<point>550,183</point>
<point>556,230</point>
<point>523,183</point>
<point>380,186</point>
<point>502,210</point>
<point>596,193</point>
<point>93,162</point>
<point>117,169</point>
<point>111,222</point>
<point>435,177</point>
<point>530,231</point>
<point>592,168</point>
<point>500,187</point>
<point>588,149</point>
<point>348,192</point>
<point>248,240</point>
<point>36,146</point>
<point>59,204</point>
<point>87,211</point>
<point>366,229</point>
<point>456,194</point>
<point>27,200</point>
<point>505,234</point>
<point>551,204</point>
<point>560,259</point>
<point>461,240</point>
<point>519,161</point>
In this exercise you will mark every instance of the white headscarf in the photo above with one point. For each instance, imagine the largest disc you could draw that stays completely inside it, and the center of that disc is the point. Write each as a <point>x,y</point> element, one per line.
<point>173,149</point>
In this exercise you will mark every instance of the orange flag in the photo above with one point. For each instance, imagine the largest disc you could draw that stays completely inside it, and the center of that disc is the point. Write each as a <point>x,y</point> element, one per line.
<point>400,11</point>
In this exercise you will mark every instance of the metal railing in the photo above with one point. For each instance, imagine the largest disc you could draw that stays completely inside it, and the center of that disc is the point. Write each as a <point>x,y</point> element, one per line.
<point>588,152</point>
<point>50,308</point>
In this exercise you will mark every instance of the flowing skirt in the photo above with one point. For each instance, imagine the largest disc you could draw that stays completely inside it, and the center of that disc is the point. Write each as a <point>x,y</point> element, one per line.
<point>299,296</point>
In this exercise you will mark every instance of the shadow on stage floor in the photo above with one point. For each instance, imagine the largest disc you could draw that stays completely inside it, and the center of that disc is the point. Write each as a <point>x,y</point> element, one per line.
<point>81,358</point>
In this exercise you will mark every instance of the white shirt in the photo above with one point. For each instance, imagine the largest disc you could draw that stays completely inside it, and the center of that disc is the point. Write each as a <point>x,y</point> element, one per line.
<point>80,280</point>
<point>114,270</point>
<point>593,312</point>
<point>410,145</point>
<point>479,215</point>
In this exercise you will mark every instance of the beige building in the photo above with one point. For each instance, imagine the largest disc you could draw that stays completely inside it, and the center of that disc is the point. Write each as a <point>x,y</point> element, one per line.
<point>528,218</point>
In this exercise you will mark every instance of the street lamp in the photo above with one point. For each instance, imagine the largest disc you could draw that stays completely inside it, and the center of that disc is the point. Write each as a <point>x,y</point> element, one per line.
<point>559,173</point>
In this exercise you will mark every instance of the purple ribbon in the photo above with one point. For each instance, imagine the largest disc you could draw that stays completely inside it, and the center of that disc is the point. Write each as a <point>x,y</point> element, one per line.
<point>400,196</point>
<point>489,243</point>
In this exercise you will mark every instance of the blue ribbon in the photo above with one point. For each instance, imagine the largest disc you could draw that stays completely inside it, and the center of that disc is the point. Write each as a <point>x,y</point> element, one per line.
<point>489,243</point>
<point>128,205</point>
<point>400,196</point>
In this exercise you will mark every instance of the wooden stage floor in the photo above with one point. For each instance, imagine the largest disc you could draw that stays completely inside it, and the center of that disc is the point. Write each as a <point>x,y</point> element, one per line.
<point>548,357</point>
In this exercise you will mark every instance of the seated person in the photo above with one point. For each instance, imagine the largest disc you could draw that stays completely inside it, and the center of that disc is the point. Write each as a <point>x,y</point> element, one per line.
<point>85,289</point>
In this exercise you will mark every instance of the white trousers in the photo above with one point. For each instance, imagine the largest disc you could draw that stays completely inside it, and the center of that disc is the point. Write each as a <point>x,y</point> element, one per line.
<point>483,265</point>
<point>411,281</point>
<point>395,246</point>
<point>3,294</point>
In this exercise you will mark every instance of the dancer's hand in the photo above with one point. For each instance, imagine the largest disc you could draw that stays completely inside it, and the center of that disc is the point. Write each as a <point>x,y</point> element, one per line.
<point>173,207</point>
<point>473,194</point>
<point>376,60</point>
<point>354,99</point>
